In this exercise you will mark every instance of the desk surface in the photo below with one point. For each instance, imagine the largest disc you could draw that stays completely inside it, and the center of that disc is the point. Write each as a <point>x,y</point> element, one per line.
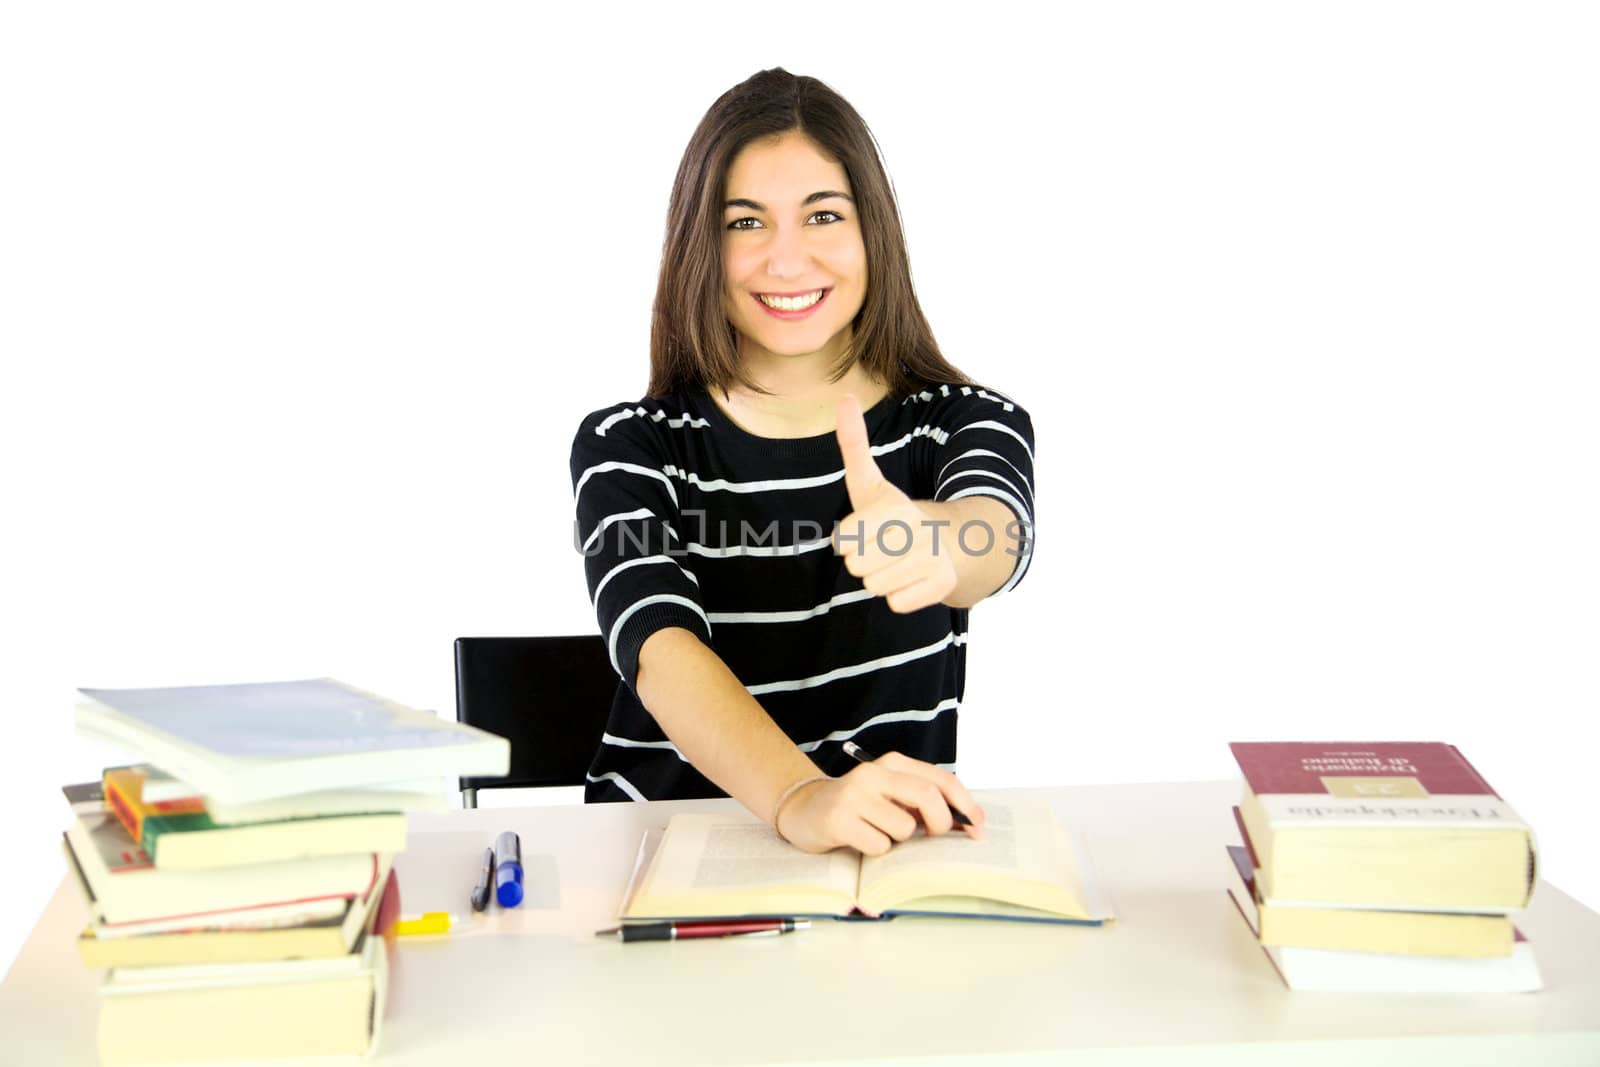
<point>1176,979</point>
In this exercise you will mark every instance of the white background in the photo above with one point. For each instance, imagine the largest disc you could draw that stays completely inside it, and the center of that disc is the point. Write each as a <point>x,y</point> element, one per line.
<point>302,303</point>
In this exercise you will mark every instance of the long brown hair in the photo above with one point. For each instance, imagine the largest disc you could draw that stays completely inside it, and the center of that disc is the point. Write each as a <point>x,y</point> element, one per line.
<point>691,339</point>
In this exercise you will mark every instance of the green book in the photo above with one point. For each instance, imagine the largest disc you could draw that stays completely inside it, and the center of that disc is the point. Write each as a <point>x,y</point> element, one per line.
<point>194,842</point>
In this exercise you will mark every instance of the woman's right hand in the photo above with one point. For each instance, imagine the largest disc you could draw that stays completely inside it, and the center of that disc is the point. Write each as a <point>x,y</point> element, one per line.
<point>875,805</point>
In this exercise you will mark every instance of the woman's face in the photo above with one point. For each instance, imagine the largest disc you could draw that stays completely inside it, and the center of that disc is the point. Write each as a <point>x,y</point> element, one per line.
<point>794,265</point>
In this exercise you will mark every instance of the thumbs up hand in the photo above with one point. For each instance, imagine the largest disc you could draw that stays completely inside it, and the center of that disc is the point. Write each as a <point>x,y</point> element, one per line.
<point>900,549</point>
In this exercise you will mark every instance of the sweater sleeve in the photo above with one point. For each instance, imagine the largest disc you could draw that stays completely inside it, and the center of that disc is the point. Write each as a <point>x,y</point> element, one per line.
<point>987,450</point>
<point>628,530</point>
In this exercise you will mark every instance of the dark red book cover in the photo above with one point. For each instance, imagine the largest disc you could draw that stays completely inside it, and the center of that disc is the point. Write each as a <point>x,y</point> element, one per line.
<point>1244,835</point>
<point>1299,767</point>
<point>387,913</point>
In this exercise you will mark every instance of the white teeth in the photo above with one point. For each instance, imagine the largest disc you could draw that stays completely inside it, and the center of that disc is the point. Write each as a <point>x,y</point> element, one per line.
<point>791,303</point>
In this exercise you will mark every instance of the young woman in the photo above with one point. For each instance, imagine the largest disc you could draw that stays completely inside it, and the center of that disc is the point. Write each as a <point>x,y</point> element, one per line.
<point>783,538</point>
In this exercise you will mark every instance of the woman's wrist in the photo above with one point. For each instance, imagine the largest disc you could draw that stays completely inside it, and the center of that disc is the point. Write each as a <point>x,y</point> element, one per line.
<point>789,794</point>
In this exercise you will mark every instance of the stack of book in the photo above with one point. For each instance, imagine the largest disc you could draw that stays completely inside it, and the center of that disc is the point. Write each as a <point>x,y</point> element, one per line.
<point>1381,867</point>
<point>240,881</point>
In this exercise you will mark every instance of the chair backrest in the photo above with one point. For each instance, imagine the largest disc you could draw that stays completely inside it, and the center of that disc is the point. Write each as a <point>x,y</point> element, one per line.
<point>549,696</point>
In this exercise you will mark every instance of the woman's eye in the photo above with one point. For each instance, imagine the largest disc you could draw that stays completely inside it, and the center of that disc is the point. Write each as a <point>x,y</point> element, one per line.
<point>748,223</point>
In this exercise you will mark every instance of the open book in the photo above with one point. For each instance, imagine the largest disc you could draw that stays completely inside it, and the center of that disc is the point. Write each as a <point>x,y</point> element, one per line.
<point>1025,868</point>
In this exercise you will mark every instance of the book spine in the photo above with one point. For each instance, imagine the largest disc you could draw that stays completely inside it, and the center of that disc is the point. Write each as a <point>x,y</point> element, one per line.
<point>121,789</point>
<point>156,828</point>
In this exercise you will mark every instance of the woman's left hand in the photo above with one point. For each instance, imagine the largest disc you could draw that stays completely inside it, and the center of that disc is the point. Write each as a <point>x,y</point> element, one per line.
<point>901,549</point>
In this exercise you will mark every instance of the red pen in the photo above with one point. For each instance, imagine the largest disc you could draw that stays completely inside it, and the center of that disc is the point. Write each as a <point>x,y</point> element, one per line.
<point>683,931</point>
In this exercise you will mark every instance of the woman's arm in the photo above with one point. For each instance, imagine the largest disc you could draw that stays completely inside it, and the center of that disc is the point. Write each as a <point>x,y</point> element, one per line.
<point>728,737</point>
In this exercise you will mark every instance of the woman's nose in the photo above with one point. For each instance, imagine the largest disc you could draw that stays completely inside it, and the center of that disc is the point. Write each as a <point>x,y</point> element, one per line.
<point>787,256</point>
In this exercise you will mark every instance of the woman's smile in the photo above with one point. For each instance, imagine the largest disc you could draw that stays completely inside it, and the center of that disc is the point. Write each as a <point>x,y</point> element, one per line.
<point>792,305</point>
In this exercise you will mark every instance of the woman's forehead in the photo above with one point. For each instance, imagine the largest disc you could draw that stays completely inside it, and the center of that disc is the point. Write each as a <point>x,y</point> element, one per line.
<point>789,165</point>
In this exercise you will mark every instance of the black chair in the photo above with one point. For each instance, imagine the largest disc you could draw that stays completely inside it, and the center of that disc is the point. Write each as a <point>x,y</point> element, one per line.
<point>548,696</point>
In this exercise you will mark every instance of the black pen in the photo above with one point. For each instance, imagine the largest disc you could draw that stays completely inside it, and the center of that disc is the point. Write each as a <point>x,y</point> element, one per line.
<point>861,755</point>
<point>480,892</point>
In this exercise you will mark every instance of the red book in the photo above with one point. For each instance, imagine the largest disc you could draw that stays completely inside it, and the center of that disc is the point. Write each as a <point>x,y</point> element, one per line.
<point>1305,768</point>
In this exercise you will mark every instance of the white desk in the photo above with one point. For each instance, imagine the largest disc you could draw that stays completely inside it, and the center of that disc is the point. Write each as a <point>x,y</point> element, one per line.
<point>1176,979</point>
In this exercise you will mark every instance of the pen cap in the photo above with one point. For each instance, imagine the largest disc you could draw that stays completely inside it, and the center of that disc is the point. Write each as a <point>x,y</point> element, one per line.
<point>508,870</point>
<point>508,885</point>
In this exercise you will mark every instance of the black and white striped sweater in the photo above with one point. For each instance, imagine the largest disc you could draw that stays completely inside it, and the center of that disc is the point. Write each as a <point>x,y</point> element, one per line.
<point>685,519</point>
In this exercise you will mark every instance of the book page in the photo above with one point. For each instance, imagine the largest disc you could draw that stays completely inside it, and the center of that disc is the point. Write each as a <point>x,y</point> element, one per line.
<point>1024,858</point>
<point>997,850</point>
<point>717,864</point>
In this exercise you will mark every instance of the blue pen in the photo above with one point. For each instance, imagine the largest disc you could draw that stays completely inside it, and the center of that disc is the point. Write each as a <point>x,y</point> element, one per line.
<point>508,869</point>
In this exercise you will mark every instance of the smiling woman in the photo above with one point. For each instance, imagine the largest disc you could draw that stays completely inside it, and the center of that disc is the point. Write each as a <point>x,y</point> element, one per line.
<point>784,537</point>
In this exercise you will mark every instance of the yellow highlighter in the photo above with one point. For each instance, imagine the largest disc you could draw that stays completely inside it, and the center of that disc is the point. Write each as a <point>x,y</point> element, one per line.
<point>429,922</point>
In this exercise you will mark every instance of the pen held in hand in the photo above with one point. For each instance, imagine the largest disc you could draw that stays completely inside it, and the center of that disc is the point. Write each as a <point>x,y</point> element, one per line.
<point>861,755</point>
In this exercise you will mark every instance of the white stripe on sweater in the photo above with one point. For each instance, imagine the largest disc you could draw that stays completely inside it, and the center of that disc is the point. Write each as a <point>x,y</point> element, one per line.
<point>913,715</point>
<point>854,669</point>
<point>714,485</point>
<point>990,424</point>
<point>643,602</point>
<point>723,485</point>
<point>623,516</point>
<point>726,551</point>
<point>998,494</point>
<point>944,391</point>
<point>622,784</point>
<point>909,715</point>
<point>631,468</point>
<point>654,416</point>
<point>980,473</point>
<point>939,435</point>
<point>996,455</point>
<point>789,616</point>
<point>626,742</point>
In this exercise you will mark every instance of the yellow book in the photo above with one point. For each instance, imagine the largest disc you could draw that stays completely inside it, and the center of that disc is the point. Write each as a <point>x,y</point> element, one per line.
<point>1025,868</point>
<point>254,1011</point>
<point>1411,933</point>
